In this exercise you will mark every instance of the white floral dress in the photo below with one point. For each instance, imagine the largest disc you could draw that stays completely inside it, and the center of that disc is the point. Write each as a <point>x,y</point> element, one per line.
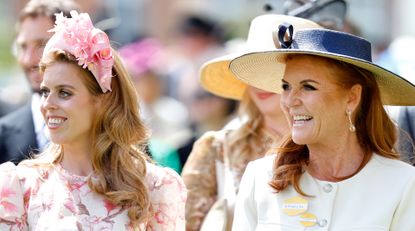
<point>50,198</point>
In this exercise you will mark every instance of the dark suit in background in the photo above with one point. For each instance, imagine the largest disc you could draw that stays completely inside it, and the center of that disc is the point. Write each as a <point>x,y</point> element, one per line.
<point>17,135</point>
<point>406,122</point>
<point>6,108</point>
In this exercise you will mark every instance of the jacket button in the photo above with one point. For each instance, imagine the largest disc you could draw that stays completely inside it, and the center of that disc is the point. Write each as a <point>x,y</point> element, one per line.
<point>322,222</point>
<point>327,188</point>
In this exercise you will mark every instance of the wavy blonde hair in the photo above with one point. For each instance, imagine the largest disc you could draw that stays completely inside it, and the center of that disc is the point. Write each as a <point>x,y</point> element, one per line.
<point>243,140</point>
<point>118,162</point>
<point>375,131</point>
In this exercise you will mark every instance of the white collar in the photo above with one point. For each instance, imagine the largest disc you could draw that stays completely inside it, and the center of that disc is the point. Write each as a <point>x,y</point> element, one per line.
<point>37,115</point>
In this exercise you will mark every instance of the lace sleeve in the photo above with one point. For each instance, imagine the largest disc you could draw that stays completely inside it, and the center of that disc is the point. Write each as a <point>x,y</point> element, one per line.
<point>199,175</point>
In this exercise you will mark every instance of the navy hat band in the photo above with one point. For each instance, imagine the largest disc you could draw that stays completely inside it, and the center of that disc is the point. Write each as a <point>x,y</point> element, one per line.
<point>335,42</point>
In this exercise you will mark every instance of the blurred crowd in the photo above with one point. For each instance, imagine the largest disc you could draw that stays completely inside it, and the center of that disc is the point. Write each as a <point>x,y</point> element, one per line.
<point>242,122</point>
<point>176,109</point>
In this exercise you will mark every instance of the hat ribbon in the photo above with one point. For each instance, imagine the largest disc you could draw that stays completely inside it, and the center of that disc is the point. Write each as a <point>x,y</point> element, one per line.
<point>282,34</point>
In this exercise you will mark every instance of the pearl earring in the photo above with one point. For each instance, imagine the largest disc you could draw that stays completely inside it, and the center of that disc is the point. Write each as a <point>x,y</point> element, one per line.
<point>352,128</point>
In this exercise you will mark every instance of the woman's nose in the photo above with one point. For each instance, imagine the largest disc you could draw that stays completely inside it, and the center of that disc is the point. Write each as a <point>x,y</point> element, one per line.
<point>290,98</point>
<point>48,102</point>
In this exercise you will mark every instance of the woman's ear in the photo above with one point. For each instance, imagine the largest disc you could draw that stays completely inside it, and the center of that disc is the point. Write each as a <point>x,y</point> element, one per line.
<point>355,95</point>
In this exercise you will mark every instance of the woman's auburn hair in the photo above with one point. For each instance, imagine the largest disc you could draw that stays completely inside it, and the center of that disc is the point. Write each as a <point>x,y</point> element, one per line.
<point>375,131</point>
<point>118,133</point>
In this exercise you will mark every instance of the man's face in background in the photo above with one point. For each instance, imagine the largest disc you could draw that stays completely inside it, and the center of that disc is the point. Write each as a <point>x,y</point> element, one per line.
<point>31,40</point>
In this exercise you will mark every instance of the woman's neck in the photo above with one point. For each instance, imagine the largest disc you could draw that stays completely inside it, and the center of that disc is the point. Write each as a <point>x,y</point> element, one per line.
<point>331,163</point>
<point>77,160</point>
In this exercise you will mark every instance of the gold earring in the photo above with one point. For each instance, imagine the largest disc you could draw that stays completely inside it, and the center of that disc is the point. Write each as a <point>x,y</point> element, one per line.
<point>352,128</point>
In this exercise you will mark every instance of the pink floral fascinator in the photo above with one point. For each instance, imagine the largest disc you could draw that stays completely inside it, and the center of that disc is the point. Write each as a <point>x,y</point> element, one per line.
<point>78,36</point>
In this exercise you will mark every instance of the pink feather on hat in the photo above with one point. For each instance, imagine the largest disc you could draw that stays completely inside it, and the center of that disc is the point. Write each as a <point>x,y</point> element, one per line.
<point>91,47</point>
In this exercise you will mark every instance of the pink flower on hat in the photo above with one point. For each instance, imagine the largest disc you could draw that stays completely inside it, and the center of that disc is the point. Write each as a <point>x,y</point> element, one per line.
<point>89,45</point>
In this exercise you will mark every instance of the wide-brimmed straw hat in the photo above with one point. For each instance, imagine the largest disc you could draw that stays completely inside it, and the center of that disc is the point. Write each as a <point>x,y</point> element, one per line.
<point>215,75</point>
<point>265,69</point>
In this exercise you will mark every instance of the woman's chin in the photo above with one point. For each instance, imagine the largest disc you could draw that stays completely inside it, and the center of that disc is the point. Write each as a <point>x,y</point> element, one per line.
<point>300,140</point>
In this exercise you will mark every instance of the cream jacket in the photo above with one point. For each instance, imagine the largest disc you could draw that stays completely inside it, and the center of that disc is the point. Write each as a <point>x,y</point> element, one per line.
<point>380,197</point>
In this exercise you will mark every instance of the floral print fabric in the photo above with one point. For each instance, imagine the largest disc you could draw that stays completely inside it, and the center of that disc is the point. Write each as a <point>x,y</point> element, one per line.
<point>50,198</point>
<point>199,173</point>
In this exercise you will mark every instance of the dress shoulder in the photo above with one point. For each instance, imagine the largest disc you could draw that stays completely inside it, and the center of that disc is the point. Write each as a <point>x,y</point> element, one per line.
<point>266,162</point>
<point>163,178</point>
<point>168,198</point>
<point>393,166</point>
<point>206,149</point>
<point>11,198</point>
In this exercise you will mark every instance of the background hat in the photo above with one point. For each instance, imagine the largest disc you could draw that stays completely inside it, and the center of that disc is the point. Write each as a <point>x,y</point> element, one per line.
<point>330,14</point>
<point>215,75</point>
<point>141,56</point>
<point>264,69</point>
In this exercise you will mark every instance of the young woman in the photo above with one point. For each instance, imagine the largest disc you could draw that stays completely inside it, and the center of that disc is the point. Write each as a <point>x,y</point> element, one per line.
<point>92,176</point>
